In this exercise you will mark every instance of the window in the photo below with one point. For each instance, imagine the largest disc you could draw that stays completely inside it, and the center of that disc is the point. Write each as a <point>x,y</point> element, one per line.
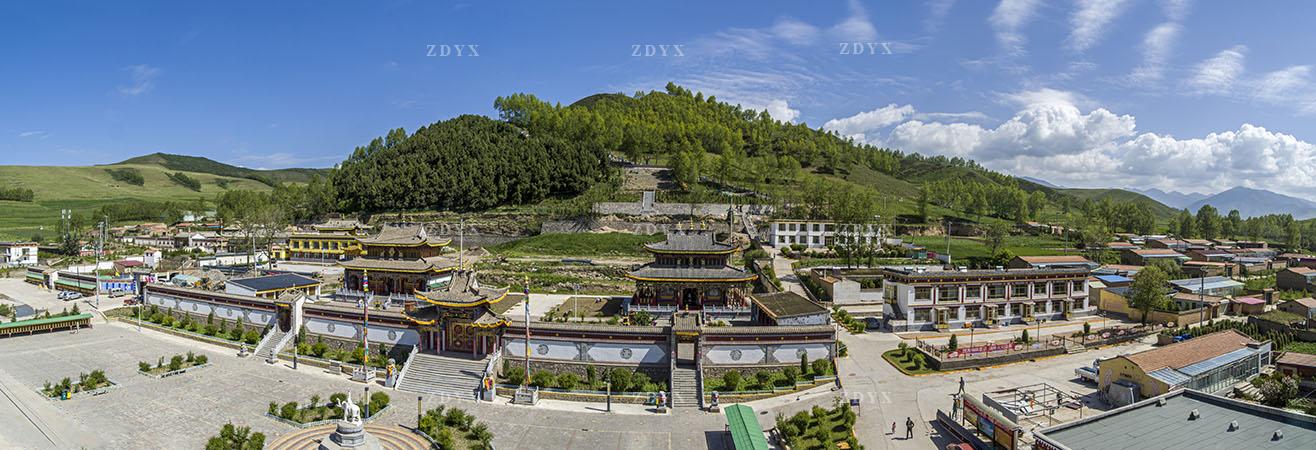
<point>923,293</point>
<point>828,227</point>
<point>1019,290</point>
<point>948,294</point>
<point>1039,288</point>
<point>817,227</point>
<point>1058,287</point>
<point>781,227</point>
<point>973,313</point>
<point>1077,286</point>
<point>973,292</point>
<point>923,315</point>
<point>996,291</point>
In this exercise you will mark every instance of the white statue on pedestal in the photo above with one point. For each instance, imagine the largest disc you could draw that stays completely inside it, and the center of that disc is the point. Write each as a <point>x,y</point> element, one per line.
<point>351,412</point>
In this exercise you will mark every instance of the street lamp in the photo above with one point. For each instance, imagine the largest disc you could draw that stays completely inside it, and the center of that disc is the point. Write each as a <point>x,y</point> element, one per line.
<point>418,411</point>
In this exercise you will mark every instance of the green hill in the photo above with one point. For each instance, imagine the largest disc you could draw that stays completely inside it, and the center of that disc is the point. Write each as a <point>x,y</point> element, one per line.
<point>83,189</point>
<point>1119,195</point>
<point>199,164</point>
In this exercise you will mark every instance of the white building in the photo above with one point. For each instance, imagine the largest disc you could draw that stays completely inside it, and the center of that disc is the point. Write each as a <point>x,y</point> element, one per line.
<point>927,300</point>
<point>820,233</point>
<point>18,253</point>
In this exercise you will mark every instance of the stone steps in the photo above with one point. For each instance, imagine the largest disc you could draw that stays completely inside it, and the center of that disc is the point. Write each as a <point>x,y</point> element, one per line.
<point>271,344</point>
<point>685,388</point>
<point>443,375</point>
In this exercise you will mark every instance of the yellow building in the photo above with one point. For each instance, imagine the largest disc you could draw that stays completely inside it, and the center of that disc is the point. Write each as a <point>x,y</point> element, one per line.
<point>331,241</point>
<point>1207,363</point>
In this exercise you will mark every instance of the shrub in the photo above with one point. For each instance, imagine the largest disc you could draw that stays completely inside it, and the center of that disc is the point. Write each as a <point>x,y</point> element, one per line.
<point>513,373</point>
<point>621,379</point>
<point>274,409</point>
<point>590,375</point>
<point>444,438</point>
<point>567,380</point>
<point>642,382</point>
<point>791,374</point>
<point>1278,391</point>
<point>954,343</point>
<point>804,364</point>
<point>841,349</point>
<point>1087,328</point>
<point>337,398</point>
<point>201,359</point>
<point>144,366</point>
<point>176,362</point>
<point>378,401</point>
<point>821,367</point>
<point>542,378</point>
<point>289,410</point>
<point>191,357</point>
<point>764,378</point>
<point>251,337</point>
<point>458,418</point>
<point>731,380</point>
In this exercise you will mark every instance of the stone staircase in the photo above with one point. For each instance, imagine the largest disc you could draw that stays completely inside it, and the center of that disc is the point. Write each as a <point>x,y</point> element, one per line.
<point>443,375</point>
<point>685,387</point>
<point>1072,347</point>
<point>271,344</point>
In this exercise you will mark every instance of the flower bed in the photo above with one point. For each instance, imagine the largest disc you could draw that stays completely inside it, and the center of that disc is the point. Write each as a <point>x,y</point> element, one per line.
<point>88,384</point>
<point>316,413</point>
<point>454,429</point>
<point>785,379</point>
<point>819,427</point>
<point>178,364</point>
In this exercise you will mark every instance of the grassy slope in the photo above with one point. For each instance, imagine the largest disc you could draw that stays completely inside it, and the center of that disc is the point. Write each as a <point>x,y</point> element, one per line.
<point>83,189</point>
<point>205,165</point>
<point>583,245</point>
<point>1120,195</point>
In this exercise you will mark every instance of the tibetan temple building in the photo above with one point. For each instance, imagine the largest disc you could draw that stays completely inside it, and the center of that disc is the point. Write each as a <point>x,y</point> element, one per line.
<point>691,271</point>
<point>456,316</point>
<point>398,261</point>
<point>333,240</point>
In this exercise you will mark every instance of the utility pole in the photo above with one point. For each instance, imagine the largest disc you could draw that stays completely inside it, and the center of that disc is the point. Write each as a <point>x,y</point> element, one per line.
<point>524,381</point>
<point>95,271</point>
<point>461,245</point>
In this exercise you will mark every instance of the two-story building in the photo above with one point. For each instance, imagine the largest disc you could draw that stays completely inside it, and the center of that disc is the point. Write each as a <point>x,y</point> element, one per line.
<point>821,233</point>
<point>18,253</point>
<point>919,299</point>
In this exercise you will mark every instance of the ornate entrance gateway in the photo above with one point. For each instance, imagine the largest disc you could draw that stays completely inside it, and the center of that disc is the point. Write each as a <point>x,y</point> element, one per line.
<point>456,318</point>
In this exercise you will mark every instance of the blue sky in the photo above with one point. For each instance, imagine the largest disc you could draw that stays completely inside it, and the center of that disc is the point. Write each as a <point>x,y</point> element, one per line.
<point>1192,96</point>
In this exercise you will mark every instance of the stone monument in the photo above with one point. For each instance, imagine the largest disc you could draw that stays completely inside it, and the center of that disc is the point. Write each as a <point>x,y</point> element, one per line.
<point>351,432</point>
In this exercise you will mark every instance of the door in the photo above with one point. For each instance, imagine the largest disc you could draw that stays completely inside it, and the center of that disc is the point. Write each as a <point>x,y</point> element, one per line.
<point>461,336</point>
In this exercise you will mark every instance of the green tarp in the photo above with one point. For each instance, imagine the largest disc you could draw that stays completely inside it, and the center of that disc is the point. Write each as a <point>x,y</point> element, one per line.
<point>23,323</point>
<point>746,433</point>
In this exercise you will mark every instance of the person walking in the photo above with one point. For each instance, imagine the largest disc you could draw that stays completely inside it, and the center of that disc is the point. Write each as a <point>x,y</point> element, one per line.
<point>893,428</point>
<point>909,428</point>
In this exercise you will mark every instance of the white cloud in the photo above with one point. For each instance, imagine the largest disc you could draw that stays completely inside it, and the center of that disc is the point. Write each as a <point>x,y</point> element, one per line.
<point>795,32</point>
<point>1045,96</point>
<point>975,116</point>
<point>1058,141</point>
<point>1091,19</point>
<point>1217,75</point>
<point>142,78</point>
<point>937,10</point>
<point>1156,46</point>
<point>856,27</point>
<point>781,110</point>
<point>39,134</point>
<point>870,120</point>
<point>1283,86</point>
<point>1007,20</point>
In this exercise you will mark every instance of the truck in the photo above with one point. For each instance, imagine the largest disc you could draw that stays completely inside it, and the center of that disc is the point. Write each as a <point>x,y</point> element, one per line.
<point>1088,373</point>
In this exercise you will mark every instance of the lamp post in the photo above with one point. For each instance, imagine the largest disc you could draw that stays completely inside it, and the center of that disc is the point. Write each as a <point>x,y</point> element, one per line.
<point>365,404</point>
<point>418,411</point>
<point>525,381</point>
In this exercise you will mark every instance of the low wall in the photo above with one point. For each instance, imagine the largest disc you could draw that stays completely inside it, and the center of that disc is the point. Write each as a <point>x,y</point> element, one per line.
<point>954,364</point>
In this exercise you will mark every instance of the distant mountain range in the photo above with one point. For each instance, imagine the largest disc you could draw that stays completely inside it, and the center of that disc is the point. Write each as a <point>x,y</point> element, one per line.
<point>1257,202</point>
<point>1042,182</point>
<point>1173,199</point>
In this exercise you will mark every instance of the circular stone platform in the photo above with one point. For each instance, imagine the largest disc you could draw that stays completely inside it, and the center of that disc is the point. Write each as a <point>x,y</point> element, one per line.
<point>391,437</point>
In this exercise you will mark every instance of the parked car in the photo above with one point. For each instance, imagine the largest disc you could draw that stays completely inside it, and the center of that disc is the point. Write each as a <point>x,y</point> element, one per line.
<point>118,292</point>
<point>69,295</point>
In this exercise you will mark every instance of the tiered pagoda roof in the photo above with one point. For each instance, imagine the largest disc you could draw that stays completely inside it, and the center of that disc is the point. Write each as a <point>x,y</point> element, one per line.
<point>413,236</point>
<point>463,291</point>
<point>431,264</point>
<point>701,242</point>
<point>652,272</point>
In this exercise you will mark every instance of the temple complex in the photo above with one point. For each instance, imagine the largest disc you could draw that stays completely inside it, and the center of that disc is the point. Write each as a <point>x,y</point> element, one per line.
<point>398,261</point>
<point>331,241</point>
<point>691,271</point>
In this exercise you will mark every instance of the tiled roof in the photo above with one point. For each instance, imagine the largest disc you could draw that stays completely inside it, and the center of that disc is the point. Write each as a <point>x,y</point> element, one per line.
<point>1250,301</point>
<point>690,273</point>
<point>1189,352</point>
<point>786,304</point>
<point>1307,302</point>
<point>1155,252</point>
<point>1302,270</point>
<point>435,263</point>
<point>404,236</point>
<point>1055,259</point>
<point>691,241</point>
<point>1297,359</point>
<point>464,289</point>
<point>272,282</point>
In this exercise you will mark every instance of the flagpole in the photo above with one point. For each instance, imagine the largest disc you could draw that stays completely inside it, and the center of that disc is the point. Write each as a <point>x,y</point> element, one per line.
<point>527,331</point>
<point>365,322</point>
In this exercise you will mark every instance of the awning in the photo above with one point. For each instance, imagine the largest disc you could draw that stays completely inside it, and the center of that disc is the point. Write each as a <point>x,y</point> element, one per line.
<point>746,433</point>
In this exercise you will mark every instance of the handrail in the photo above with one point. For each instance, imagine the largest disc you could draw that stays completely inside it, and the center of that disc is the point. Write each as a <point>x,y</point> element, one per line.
<point>402,373</point>
<point>493,362</point>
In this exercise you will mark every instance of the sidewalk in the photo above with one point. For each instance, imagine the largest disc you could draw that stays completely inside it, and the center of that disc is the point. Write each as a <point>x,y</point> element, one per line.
<point>585,407</point>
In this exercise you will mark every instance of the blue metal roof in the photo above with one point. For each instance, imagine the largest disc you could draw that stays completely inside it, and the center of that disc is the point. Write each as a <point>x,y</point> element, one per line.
<point>1209,283</point>
<point>1199,368</point>
<point>1170,376</point>
<point>1114,279</point>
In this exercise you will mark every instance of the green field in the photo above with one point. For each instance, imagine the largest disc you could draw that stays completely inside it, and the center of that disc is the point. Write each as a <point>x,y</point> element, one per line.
<point>578,245</point>
<point>83,189</point>
<point>1019,245</point>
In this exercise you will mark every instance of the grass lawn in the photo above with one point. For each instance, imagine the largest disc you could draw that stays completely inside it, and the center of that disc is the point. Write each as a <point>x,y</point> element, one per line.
<point>578,245</point>
<point>1301,347</point>
<point>915,366</point>
<point>588,307</point>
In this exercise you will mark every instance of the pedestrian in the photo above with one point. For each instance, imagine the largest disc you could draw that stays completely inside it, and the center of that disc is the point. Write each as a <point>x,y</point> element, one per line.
<point>909,428</point>
<point>893,428</point>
